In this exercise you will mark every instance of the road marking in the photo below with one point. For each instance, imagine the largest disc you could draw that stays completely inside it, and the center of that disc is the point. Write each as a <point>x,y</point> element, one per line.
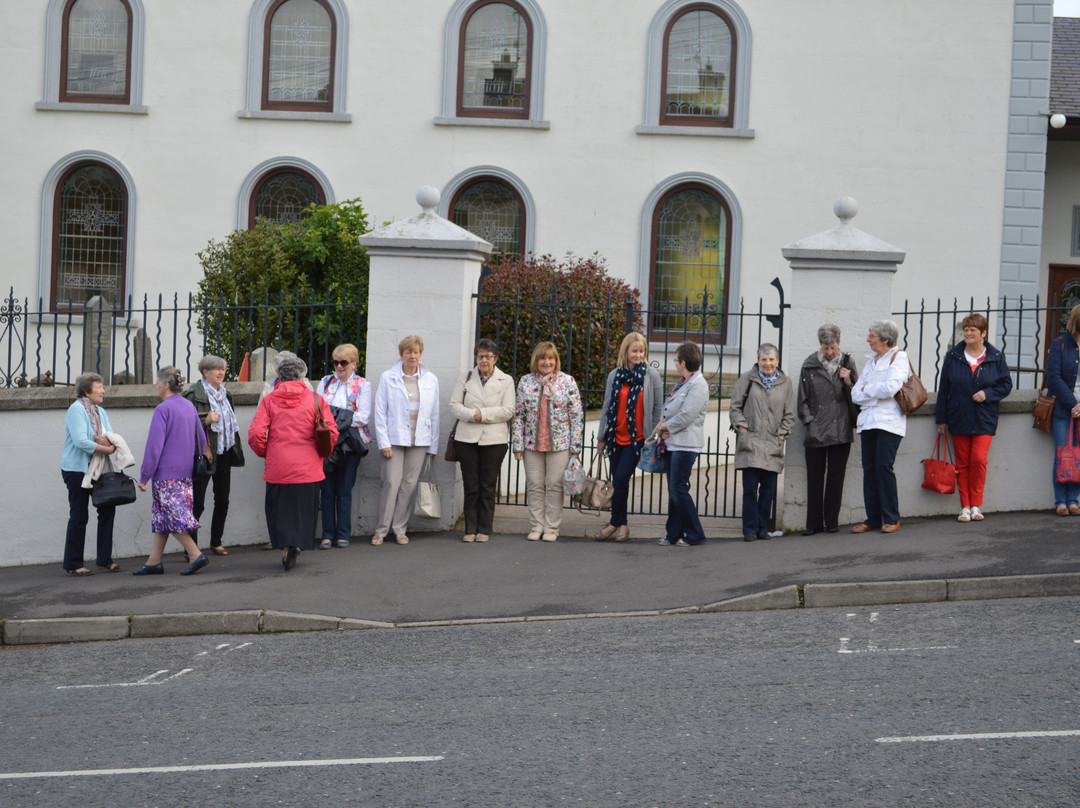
<point>980,736</point>
<point>146,680</point>
<point>270,764</point>
<point>873,649</point>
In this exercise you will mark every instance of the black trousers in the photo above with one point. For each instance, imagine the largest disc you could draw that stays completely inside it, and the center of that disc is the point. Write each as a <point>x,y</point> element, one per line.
<point>222,478</point>
<point>825,468</point>
<point>480,480</point>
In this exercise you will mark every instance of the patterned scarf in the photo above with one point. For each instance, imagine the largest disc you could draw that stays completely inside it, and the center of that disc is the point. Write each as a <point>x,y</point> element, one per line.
<point>634,379</point>
<point>830,365</point>
<point>95,416</point>
<point>768,381</point>
<point>679,384</point>
<point>226,426</point>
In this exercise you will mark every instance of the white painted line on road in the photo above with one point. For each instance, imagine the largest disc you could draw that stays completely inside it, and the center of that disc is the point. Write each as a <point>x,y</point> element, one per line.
<point>214,767</point>
<point>980,736</point>
<point>873,649</point>
<point>146,680</point>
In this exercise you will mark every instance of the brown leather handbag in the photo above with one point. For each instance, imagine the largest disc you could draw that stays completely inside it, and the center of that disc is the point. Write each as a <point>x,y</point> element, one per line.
<point>1044,411</point>
<point>324,445</point>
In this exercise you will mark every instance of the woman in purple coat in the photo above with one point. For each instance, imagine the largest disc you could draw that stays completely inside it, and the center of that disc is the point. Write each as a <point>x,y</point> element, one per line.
<point>176,434</point>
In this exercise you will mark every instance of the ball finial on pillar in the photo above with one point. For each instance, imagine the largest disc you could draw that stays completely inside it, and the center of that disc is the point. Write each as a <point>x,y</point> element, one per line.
<point>428,198</point>
<point>845,208</point>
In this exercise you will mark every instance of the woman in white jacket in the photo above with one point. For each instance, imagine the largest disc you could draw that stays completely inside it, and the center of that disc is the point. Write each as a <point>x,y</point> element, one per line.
<point>881,426</point>
<point>406,429</point>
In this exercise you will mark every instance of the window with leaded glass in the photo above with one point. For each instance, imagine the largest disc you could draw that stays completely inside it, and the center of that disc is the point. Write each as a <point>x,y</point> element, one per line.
<point>494,54</point>
<point>282,197</point>
<point>494,212</point>
<point>89,237</point>
<point>691,234</point>
<point>699,60</point>
<point>299,55</point>
<point>96,52</point>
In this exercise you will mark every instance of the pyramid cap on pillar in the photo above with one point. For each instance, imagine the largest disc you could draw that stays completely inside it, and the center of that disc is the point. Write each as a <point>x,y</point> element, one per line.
<point>426,233</point>
<point>844,244</point>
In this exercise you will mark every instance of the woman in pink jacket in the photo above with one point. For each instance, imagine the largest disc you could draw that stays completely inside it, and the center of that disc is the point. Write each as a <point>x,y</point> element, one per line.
<point>283,432</point>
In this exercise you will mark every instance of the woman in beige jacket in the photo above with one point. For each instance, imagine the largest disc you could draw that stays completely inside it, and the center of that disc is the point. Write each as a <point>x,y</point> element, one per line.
<point>483,404</point>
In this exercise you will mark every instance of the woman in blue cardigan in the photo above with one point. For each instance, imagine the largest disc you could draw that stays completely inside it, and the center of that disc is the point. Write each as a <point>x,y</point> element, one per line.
<point>974,379</point>
<point>1061,369</point>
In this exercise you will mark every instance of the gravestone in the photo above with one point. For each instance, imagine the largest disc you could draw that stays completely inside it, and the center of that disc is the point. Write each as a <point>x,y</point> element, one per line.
<point>97,337</point>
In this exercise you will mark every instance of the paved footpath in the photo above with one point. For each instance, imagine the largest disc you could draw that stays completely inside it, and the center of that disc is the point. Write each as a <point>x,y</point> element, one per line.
<point>439,578</point>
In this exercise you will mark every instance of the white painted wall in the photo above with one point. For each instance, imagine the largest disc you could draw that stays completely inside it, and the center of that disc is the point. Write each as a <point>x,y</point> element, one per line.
<point>1062,193</point>
<point>902,105</point>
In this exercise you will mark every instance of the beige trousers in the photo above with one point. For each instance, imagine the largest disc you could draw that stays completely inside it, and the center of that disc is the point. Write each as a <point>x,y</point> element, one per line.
<point>399,476</point>
<point>544,488</point>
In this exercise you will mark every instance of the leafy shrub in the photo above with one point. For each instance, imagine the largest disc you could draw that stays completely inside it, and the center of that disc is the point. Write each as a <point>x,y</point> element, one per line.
<point>301,286</point>
<point>574,303</point>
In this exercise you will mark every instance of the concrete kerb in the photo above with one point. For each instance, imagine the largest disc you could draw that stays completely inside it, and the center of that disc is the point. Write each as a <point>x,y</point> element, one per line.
<point>35,631</point>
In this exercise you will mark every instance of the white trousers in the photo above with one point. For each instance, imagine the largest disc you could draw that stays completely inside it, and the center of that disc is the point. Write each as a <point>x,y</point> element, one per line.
<point>399,476</point>
<point>544,488</point>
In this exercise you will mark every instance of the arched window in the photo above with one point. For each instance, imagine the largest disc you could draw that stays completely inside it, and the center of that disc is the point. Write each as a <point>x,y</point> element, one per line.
<point>494,211</point>
<point>282,196</point>
<point>89,242</point>
<point>699,69</point>
<point>95,57</point>
<point>691,262</point>
<point>298,55</point>
<point>494,54</point>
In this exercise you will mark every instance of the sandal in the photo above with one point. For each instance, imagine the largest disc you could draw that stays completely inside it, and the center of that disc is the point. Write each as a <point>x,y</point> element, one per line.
<point>114,567</point>
<point>401,538</point>
<point>324,544</point>
<point>81,572</point>
<point>604,533</point>
<point>1074,510</point>
<point>1061,510</point>
<point>376,540</point>
<point>623,533</point>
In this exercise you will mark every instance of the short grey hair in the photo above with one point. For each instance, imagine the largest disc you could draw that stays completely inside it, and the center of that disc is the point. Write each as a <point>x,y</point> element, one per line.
<point>768,349</point>
<point>828,334</point>
<point>210,362</point>
<point>85,383</point>
<point>887,330</point>
<point>290,368</point>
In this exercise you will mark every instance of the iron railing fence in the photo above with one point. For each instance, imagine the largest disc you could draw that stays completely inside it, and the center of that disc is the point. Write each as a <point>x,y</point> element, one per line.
<point>587,332</point>
<point>1022,329</point>
<point>127,344</point>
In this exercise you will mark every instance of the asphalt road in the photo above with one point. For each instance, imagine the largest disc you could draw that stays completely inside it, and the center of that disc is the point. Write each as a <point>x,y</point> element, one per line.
<point>815,707</point>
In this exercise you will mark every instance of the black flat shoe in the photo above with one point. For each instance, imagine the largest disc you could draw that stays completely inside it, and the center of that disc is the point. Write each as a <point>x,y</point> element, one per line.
<point>290,558</point>
<point>748,537</point>
<point>114,567</point>
<point>832,530</point>
<point>150,569</point>
<point>811,531</point>
<point>763,537</point>
<point>195,565</point>
<point>82,572</point>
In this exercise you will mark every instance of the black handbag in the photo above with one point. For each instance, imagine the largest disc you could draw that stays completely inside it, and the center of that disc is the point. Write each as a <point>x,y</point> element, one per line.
<point>200,467</point>
<point>112,488</point>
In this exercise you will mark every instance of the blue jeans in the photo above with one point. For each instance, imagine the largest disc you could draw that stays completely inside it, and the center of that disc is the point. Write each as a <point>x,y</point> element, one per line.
<point>879,480</point>
<point>624,462</point>
<point>336,491</point>
<point>1064,493</point>
<point>758,495</point>
<point>78,516</point>
<point>682,521</point>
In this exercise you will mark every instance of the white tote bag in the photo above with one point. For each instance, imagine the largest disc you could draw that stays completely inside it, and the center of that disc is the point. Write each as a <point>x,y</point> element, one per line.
<point>428,501</point>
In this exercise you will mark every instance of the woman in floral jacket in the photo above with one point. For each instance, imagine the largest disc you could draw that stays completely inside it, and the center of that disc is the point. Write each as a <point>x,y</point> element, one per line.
<point>546,432</point>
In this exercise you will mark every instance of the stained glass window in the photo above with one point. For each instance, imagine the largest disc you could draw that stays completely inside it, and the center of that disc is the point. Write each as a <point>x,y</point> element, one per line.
<point>691,261</point>
<point>698,69</point>
<point>282,197</point>
<point>495,61</point>
<point>494,212</point>
<point>97,44</point>
<point>299,55</point>
<point>90,237</point>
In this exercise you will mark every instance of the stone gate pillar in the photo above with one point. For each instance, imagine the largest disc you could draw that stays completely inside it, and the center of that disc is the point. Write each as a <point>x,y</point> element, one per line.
<point>423,274</point>
<point>841,276</point>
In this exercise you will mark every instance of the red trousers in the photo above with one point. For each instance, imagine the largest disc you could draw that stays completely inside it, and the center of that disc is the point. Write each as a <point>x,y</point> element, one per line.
<point>971,452</point>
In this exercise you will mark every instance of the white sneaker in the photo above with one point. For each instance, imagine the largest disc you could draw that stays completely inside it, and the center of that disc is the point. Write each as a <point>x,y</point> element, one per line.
<point>976,514</point>
<point>550,535</point>
<point>534,535</point>
<point>965,515</point>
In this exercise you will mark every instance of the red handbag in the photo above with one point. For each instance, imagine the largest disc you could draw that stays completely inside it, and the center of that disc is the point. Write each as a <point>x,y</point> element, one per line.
<point>938,473</point>
<point>1068,458</point>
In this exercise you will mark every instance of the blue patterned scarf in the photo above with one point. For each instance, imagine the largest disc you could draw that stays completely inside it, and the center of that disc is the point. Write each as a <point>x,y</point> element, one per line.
<point>634,379</point>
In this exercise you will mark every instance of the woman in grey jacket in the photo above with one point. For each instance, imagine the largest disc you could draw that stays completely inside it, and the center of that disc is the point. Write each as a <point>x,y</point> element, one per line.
<point>633,397</point>
<point>682,426</point>
<point>825,408</point>
<point>762,414</point>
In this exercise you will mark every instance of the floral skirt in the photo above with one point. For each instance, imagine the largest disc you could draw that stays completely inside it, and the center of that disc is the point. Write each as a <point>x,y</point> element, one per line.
<point>171,511</point>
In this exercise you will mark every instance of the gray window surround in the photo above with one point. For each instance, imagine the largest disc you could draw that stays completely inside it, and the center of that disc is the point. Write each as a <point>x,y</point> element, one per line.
<point>654,56</point>
<point>253,90</point>
<point>54,31</point>
<point>45,227</point>
<point>451,44</point>
<point>470,175</point>
<point>247,187</point>
<point>646,247</point>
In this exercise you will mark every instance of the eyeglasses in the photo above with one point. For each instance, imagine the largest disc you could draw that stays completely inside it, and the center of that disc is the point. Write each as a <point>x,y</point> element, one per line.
<point>485,357</point>
<point>340,363</point>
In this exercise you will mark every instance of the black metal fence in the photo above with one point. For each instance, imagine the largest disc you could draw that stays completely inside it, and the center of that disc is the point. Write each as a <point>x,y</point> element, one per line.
<point>127,344</point>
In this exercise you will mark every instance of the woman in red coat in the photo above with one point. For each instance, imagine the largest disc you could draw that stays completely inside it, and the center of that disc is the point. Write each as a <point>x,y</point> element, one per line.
<point>283,432</point>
